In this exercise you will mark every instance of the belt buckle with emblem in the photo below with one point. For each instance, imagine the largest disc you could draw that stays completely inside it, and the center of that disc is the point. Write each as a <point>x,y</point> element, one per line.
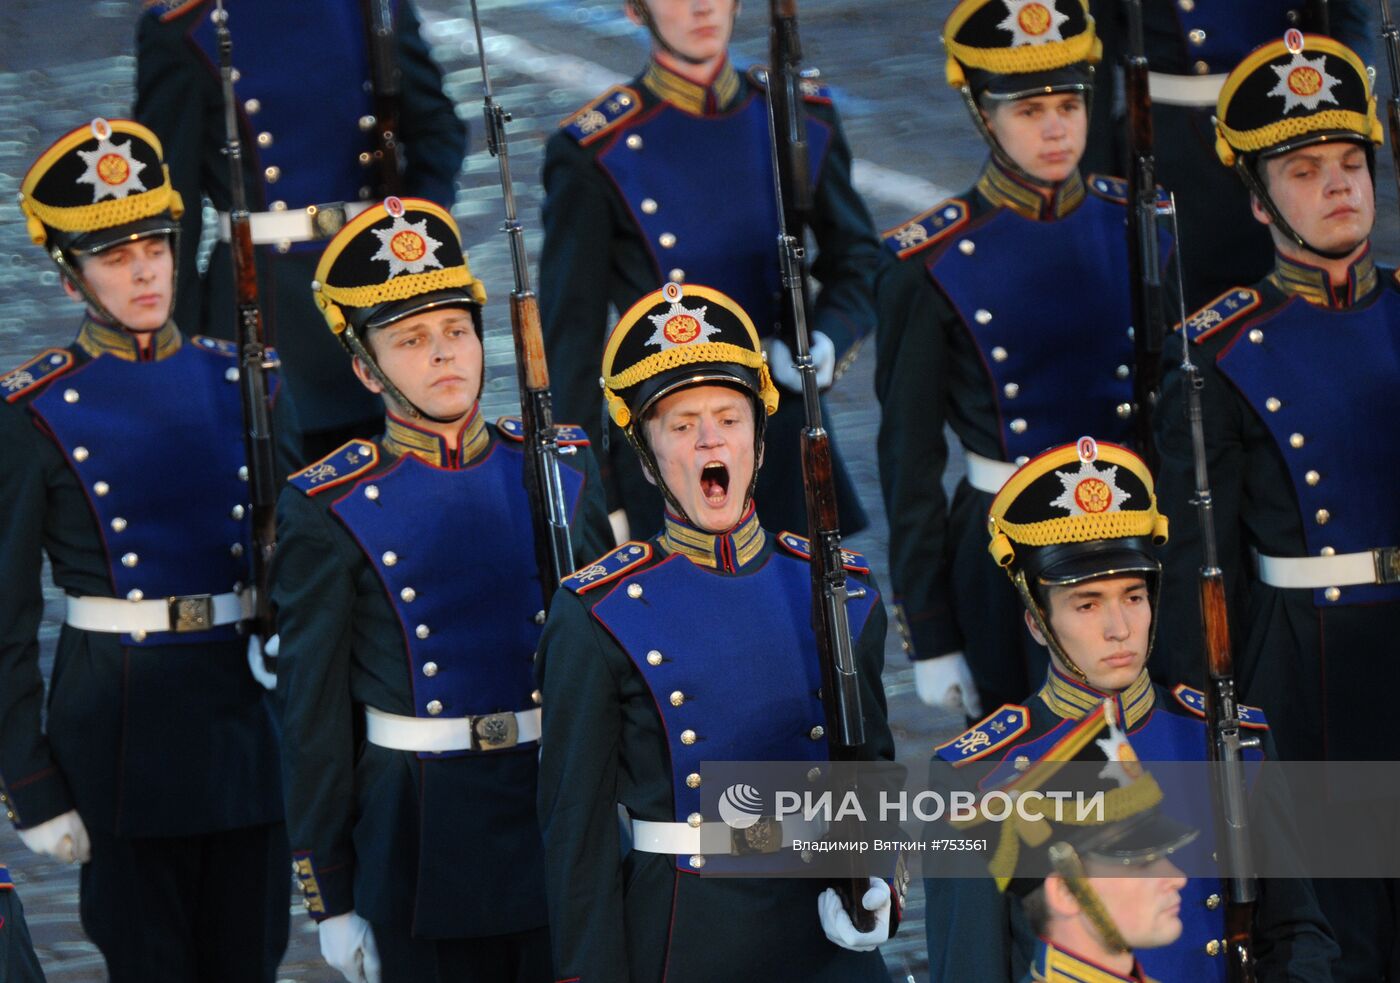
<point>326,220</point>
<point>1387,560</point>
<point>494,731</point>
<point>764,836</point>
<point>194,612</point>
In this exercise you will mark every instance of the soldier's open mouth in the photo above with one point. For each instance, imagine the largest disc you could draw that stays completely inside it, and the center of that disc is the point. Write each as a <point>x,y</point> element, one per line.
<point>714,481</point>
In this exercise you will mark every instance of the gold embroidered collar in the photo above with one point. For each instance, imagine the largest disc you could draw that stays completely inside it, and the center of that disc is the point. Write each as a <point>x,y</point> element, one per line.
<point>702,100</point>
<point>1005,190</point>
<point>730,551</point>
<point>1072,700</point>
<point>1055,965</point>
<point>98,339</point>
<point>473,440</point>
<point>1313,284</point>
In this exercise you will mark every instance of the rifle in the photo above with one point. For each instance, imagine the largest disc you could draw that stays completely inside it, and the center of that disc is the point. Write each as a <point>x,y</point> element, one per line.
<point>553,548</point>
<point>1144,256</point>
<point>253,361</point>
<point>1390,36</point>
<point>831,623</point>
<point>387,81</point>
<point>1225,741</point>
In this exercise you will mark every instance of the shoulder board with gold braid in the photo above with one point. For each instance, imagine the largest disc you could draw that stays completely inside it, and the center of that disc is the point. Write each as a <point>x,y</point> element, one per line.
<point>6,884</point>
<point>169,10</point>
<point>347,462</point>
<point>812,90</point>
<point>1221,312</point>
<point>993,733</point>
<point>43,368</point>
<point>801,546</point>
<point>1195,701</point>
<point>568,434</point>
<point>922,231</point>
<point>1115,189</point>
<point>221,346</point>
<point>596,118</point>
<point>608,568</point>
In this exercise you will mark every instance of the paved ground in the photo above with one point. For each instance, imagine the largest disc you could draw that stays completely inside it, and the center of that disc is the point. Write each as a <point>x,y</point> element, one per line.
<point>64,61</point>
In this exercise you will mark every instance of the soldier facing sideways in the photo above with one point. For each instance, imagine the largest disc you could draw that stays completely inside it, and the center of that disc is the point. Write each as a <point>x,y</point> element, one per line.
<point>157,765</point>
<point>1074,529</point>
<point>407,605</point>
<point>694,646</point>
<point>669,177</point>
<point>1299,375</point>
<point>1004,313</point>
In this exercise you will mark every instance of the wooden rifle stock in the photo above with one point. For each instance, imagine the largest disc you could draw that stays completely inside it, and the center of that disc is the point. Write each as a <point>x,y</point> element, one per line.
<point>253,362</point>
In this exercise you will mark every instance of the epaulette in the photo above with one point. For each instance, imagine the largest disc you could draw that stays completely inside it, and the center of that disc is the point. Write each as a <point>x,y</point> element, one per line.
<point>568,434</point>
<point>1195,701</point>
<point>922,231</point>
<point>1115,189</point>
<point>812,90</point>
<point>42,368</point>
<point>995,732</point>
<point>607,568</point>
<point>339,466</point>
<point>1224,310</point>
<point>6,884</point>
<point>802,546</point>
<point>602,114</point>
<point>168,10</point>
<point>221,346</point>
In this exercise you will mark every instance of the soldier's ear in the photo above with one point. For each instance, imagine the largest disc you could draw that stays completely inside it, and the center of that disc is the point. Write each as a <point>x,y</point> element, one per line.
<point>366,378</point>
<point>1256,207</point>
<point>71,290</point>
<point>1035,629</point>
<point>1059,900</point>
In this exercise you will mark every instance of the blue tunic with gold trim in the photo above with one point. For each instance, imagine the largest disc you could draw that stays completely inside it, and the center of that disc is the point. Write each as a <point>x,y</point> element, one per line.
<point>1291,936</point>
<point>405,582</point>
<point>661,655</point>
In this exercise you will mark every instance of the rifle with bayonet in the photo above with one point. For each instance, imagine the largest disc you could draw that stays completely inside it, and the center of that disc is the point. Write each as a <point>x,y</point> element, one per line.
<point>386,79</point>
<point>543,483</point>
<point>1224,736</point>
<point>1144,253</point>
<point>840,680</point>
<point>253,361</point>
<point>1390,37</point>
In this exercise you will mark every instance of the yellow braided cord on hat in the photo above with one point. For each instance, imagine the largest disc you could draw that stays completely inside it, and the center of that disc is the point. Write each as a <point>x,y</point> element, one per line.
<point>1021,59</point>
<point>674,358</point>
<point>404,286</point>
<point>1367,127</point>
<point>621,413</point>
<point>102,214</point>
<point>1079,528</point>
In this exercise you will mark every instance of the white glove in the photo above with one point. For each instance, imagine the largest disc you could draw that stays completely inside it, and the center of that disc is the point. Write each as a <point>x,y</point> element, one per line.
<point>256,665</point>
<point>785,373</point>
<point>63,837</point>
<point>347,944</point>
<point>838,926</point>
<point>946,682</point>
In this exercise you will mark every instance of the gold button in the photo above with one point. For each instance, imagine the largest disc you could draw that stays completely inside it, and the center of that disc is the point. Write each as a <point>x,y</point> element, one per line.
<point>999,354</point>
<point>1312,477</point>
<point>422,631</point>
<point>236,512</point>
<point>1197,36</point>
<point>677,275</point>
<point>366,158</point>
<point>983,316</point>
<point>272,173</point>
<point>1012,390</point>
<point>1201,68</point>
<point>1124,410</point>
<point>695,819</point>
<point>1122,372</point>
<point>537,697</point>
<point>654,658</point>
<point>1021,763</point>
<point>281,206</point>
<point>80,454</point>
<point>967,247</point>
<point>1332,593</point>
<point>667,240</point>
<point>138,636</point>
<point>390,558</point>
<point>1256,336</point>
<point>264,139</point>
<point>130,559</point>
<point>70,395</point>
<point>1018,425</point>
<point>677,698</point>
<point>817,732</point>
<point>1213,947</point>
<point>813,774</point>
<point>372,492</point>
<point>634,591</point>
<point>243,472</point>
<point>1296,440</point>
<point>1213,902</point>
<point>1187,5</point>
<point>430,669</point>
<point>118,524</point>
<point>1327,551</point>
<point>134,595</point>
<point>1322,517</point>
<point>408,595</point>
<point>693,780</point>
<point>101,488</point>
<point>434,708</point>
<point>697,861</point>
<point>9,814</point>
<point>634,142</point>
<point>367,122</point>
<point>649,205</point>
<point>687,737</point>
<point>236,550</point>
<point>1272,404</point>
<point>251,107</point>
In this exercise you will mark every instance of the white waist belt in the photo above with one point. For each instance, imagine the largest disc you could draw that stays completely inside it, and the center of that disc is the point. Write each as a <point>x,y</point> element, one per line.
<point>194,612</point>
<point>488,732</point>
<point>309,224</point>
<point>765,836</point>
<point>1377,566</point>
<point>985,474</point>
<point>1185,90</point>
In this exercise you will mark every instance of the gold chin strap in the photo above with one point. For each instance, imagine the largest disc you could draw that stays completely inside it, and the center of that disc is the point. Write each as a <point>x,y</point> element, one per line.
<point>1042,623</point>
<point>1071,870</point>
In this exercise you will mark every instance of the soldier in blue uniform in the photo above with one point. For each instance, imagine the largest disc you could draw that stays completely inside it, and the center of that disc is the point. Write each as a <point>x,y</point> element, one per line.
<point>693,646</point>
<point>1004,313</point>
<point>1101,888</point>
<point>18,964</point>
<point>305,116</point>
<point>156,767</point>
<point>409,611</point>
<point>1074,529</point>
<point>1299,374</point>
<point>669,177</point>
<point>1190,45</point>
